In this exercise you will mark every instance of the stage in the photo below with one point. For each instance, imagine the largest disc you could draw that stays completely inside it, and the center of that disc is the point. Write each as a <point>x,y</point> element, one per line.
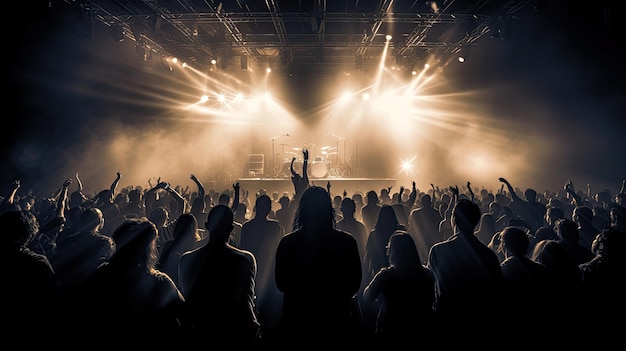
<point>337,184</point>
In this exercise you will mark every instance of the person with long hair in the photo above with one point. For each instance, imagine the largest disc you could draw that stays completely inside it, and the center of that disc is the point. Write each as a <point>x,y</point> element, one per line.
<point>318,270</point>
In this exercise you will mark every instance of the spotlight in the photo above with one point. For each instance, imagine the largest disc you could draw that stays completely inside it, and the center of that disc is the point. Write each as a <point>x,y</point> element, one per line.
<point>464,53</point>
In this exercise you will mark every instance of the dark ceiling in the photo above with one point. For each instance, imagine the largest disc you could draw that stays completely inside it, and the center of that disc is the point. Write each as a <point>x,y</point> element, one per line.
<point>300,33</point>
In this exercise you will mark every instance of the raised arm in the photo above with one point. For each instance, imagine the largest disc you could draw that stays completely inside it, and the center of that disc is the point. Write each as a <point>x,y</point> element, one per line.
<point>432,203</point>
<point>180,200</point>
<point>305,166</point>
<point>300,183</point>
<point>512,192</point>
<point>569,188</point>
<point>235,204</point>
<point>455,196</point>
<point>60,209</point>
<point>151,196</point>
<point>199,185</point>
<point>412,196</point>
<point>115,183</point>
<point>79,183</point>
<point>10,198</point>
<point>469,188</point>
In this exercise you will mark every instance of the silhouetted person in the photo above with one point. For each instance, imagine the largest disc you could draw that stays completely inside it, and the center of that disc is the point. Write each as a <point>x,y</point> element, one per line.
<point>406,292</point>
<point>603,279</point>
<point>260,235</point>
<point>567,231</point>
<point>81,248</point>
<point>530,210</point>
<point>526,282</point>
<point>186,237</point>
<point>357,229</point>
<point>403,207</point>
<point>369,212</point>
<point>318,269</point>
<point>424,226</point>
<point>376,256</point>
<point>285,213</point>
<point>350,224</point>
<point>218,282</point>
<point>104,200</point>
<point>587,232</point>
<point>568,297</point>
<point>128,296</point>
<point>468,277</point>
<point>30,290</point>
<point>135,206</point>
<point>546,232</point>
<point>486,228</point>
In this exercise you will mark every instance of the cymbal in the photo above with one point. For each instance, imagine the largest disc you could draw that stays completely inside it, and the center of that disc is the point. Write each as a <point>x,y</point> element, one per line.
<point>297,148</point>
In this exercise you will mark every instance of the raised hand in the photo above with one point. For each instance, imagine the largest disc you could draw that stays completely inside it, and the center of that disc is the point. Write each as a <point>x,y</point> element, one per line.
<point>455,190</point>
<point>67,182</point>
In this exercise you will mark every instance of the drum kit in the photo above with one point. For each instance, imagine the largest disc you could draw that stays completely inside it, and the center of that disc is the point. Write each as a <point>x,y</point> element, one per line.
<point>319,166</point>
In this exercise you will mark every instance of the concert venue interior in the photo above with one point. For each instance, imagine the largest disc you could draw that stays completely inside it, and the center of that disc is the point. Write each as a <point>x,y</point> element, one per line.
<point>374,90</point>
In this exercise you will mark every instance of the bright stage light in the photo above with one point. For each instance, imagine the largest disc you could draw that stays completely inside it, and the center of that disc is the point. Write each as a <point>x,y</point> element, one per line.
<point>406,166</point>
<point>346,96</point>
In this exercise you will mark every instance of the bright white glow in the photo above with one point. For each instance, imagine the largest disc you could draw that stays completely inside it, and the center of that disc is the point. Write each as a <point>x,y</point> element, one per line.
<point>346,96</point>
<point>213,61</point>
<point>388,37</point>
<point>461,59</point>
<point>366,96</point>
<point>268,70</point>
<point>184,64</point>
<point>221,97</point>
<point>406,166</point>
<point>174,59</point>
<point>413,73</point>
<point>204,98</point>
